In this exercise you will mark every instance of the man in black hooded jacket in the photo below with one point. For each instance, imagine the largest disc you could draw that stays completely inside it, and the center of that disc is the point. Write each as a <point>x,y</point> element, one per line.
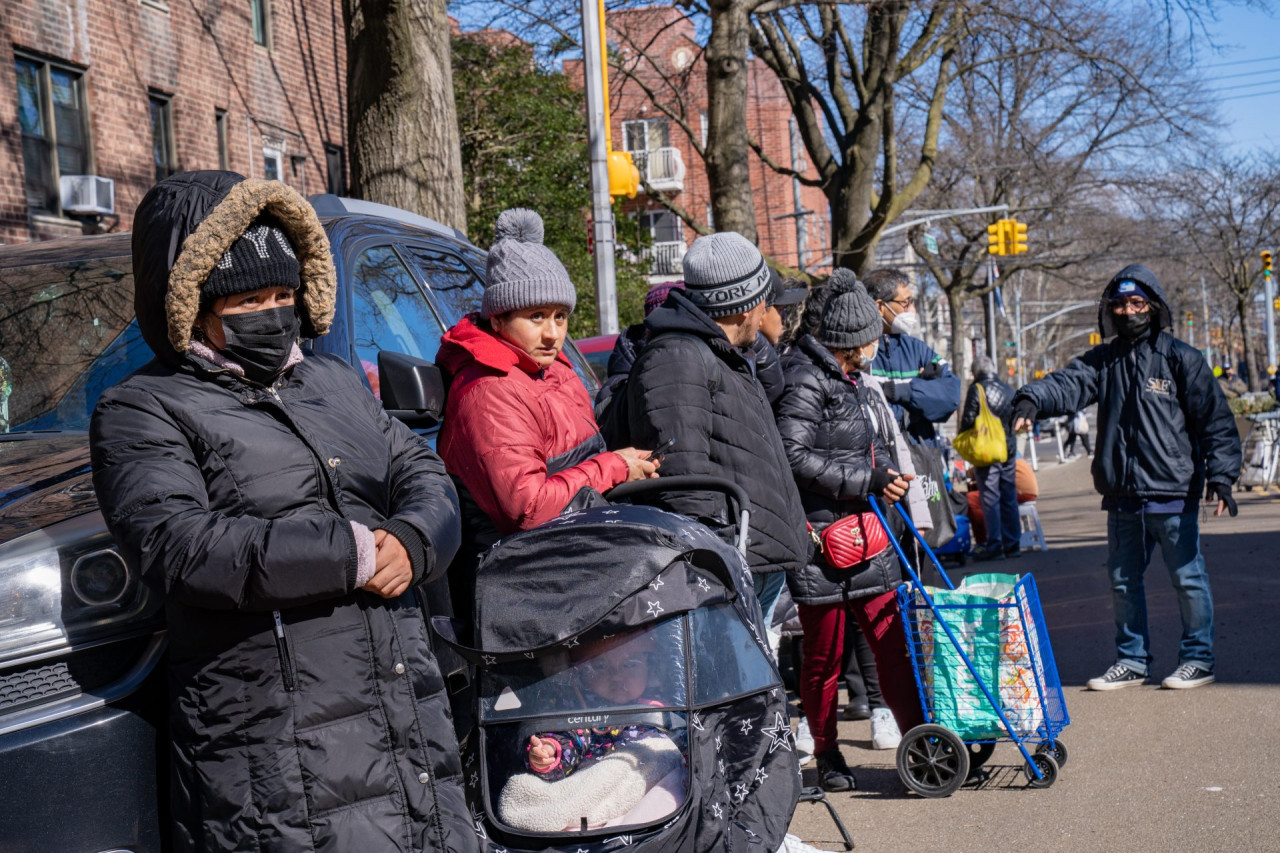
<point>1165,433</point>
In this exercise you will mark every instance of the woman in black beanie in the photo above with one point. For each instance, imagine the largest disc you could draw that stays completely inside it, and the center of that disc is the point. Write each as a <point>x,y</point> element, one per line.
<point>286,519</point>
<point>838,435</point>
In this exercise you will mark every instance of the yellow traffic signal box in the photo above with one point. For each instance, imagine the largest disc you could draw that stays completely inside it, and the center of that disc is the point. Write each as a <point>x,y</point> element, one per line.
<point>995,239</point>
<point>1019,230</point>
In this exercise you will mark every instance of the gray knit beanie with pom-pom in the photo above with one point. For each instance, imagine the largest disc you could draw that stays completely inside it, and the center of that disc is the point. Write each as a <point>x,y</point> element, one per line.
<point>522,272</point>
<point>850,318</point>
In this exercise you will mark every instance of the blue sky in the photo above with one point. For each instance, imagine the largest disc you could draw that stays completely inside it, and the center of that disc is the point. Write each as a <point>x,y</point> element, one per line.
<point>1245,74</point>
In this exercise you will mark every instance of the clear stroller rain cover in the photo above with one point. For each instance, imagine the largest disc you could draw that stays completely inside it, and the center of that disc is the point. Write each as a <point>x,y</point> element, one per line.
<point>625,695</point>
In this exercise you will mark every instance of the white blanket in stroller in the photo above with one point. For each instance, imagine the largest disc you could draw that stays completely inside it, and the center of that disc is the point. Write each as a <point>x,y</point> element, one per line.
<point>624,782</point>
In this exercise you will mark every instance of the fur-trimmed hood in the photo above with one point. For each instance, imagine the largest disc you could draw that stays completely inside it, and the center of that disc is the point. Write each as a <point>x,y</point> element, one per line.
<point>183,227</point>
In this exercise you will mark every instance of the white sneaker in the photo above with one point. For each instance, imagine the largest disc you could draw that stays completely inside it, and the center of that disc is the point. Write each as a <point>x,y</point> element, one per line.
<point>884,730</point>
<point>804,741</point>
<point>793,844</point>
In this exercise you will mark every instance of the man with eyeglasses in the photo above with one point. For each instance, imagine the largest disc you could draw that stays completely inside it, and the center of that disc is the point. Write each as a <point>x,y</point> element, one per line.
<point>1165,435</point>
<point>919,385</point>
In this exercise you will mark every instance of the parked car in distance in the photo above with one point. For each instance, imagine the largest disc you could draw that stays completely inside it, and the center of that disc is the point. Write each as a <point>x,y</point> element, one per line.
<point>83,742</point>
<point>596,351</point>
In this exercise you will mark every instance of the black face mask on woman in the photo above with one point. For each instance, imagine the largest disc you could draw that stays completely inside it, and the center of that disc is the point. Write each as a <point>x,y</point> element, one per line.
<point>1132,326</point>
<point>261,341</point>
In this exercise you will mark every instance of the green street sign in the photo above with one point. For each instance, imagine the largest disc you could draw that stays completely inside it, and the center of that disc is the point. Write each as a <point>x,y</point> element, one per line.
<point>1009,344</point>
<point>930,244</point>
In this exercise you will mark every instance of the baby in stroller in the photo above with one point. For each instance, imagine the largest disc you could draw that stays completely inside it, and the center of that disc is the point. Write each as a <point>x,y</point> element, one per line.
<point>620,773</point>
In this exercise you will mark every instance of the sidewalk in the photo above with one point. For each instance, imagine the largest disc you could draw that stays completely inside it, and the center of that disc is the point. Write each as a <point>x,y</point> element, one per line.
<point>1149,769</point>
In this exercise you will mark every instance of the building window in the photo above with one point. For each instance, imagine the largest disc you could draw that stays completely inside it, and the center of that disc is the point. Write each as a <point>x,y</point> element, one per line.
<point>703,117</point>
<point>224,139</point>
<point>646,134</point>
<point>259,15</point>
<point>666,235</point>
<point>335,169</point>
<point>162,136</point>
<point>272,165</point>
<point>298,173</point>
<point>55,128</point>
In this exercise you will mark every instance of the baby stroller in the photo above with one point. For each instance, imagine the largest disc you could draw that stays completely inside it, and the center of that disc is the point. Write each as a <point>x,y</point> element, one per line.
<point>625,696</point>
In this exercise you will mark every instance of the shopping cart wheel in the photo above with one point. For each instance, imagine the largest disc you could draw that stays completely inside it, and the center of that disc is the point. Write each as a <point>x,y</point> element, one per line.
<point>1057,749</point>
<point>979,754</point>
<point>1048,768</point>
<point>933,761</point>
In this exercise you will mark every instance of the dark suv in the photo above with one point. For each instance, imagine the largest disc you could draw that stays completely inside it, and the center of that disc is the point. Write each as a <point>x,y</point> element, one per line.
<point>82,710</point>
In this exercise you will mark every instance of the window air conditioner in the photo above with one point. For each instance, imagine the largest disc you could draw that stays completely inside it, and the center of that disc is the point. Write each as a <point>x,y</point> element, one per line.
<point>87,195</point>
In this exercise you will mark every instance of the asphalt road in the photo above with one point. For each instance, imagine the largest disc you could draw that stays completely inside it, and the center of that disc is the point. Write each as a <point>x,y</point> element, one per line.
<point>1148,769</point>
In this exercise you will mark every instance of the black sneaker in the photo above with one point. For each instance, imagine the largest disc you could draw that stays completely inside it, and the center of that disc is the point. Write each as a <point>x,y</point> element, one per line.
<point>833,773</point>
<point>854,711</point>
<point>1188,675</point>
<point>982,554</point>
<point>1115,678</point>
<point>1013,553</point>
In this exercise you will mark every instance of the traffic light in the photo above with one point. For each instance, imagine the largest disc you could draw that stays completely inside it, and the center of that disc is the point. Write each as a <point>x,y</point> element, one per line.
<point>995,239</point>
<point>1095,338</point>
<point>1266,262</point>
<point>1019,236</point>
<point>1191,319</point>
<point>624,177</point>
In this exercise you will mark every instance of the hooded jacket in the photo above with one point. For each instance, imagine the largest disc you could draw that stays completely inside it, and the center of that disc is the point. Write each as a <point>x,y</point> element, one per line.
<point>999,401</point>
<point>305,715</point>
<point>825,419</point>
<point>1164,427</point>
<point>521,438</point>
<point>690,384</point>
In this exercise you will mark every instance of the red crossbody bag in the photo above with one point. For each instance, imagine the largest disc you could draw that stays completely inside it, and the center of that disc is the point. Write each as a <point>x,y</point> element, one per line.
<point>855,538</point>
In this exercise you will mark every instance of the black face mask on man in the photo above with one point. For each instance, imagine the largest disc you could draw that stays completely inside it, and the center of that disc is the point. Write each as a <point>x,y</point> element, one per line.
<point>261,341</point>
<point>1132,326</point>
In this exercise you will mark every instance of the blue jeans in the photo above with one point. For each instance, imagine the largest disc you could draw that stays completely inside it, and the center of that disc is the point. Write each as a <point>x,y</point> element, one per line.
<point>1131,539</point>
<point>768,589</point>
<point>998,494</point>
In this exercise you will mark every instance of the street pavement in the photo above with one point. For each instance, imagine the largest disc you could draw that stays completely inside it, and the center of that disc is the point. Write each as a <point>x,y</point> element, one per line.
<point>1148,769</point>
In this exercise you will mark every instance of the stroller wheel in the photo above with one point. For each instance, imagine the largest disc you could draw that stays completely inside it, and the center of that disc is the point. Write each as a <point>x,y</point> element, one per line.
<point>1057,749</point>
<point>933,761</point>
<point>1048,768</point>
<point>979,754</point>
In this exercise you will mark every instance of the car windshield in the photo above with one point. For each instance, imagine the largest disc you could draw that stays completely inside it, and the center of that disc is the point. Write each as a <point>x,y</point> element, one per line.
<point>66,334</point>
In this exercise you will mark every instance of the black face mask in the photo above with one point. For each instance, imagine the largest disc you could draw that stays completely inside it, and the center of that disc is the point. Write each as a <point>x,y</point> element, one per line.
<point>1132,326</point>
<point>261,341</point>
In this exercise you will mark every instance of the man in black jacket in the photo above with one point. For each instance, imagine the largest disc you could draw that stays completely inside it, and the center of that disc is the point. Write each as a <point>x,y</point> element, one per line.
<point>695,383</point>
<point>997,489</point>
<point>1164,432</point>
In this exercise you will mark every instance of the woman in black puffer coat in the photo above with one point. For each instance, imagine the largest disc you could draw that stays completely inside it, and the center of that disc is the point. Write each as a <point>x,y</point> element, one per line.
<point>288,522</point>
<point>836,429</point>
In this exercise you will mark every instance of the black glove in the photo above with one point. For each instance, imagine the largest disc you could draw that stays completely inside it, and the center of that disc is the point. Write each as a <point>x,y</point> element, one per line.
<point>932,370</point>
<point>897,392</point>
<point>880,479</point>
<point>1222,492</point>
<point>1024,407</point>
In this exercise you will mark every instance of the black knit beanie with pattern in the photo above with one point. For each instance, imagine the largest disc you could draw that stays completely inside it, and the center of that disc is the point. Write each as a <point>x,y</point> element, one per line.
<point>260,257</point>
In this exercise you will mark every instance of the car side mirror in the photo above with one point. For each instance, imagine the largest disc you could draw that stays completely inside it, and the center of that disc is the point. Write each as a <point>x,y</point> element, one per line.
<point>412,389</point>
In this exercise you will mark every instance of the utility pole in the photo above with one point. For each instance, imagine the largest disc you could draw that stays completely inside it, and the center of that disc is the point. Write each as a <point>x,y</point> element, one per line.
<point>604,234</point>
<point>1269,312</point>
<point>992,349</point>
<point>1204,307</point>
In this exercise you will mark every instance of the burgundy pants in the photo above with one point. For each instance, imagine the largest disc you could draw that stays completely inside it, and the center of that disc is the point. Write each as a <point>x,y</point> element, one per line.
<point>823,626</point>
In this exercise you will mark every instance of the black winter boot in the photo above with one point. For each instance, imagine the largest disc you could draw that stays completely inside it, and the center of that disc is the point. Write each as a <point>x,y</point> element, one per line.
<point>833,773</point>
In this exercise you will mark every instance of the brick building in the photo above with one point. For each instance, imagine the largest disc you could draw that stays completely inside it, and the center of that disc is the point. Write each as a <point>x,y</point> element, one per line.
<point>133,90</point>
<point>662,67</point>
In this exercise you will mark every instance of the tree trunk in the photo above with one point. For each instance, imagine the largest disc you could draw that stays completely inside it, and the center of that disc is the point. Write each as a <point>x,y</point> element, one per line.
<point>403,129</point>
<point>1246,340</point>
<point>728,162</point>
<point>955,303</point>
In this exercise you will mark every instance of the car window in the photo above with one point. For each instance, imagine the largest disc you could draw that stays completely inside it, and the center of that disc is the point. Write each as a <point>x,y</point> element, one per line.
<point>65,335</point>
<point>458,290</point>
<point>389,311</point>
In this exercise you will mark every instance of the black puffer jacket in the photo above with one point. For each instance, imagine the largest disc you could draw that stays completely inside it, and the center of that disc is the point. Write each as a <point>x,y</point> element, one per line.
<point>826,424</point>
<point>999,401</point>
<point>1164,427</point>
<point>305,715</point>
<point>691,384</point>
<point>625,350</point>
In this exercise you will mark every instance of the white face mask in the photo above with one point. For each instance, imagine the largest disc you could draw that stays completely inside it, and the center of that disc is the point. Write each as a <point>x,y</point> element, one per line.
<point>905,323</point>
<point>865,358</point>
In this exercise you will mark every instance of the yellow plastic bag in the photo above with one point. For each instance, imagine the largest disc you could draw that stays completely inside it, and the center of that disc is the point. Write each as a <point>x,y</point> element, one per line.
<point>984,443</point>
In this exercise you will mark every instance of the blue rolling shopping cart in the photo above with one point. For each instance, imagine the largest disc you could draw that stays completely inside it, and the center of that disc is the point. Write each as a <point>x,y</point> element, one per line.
<point>985,673</point>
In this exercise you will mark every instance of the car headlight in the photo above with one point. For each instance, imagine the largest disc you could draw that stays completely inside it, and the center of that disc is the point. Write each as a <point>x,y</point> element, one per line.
<point>66,584</point>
